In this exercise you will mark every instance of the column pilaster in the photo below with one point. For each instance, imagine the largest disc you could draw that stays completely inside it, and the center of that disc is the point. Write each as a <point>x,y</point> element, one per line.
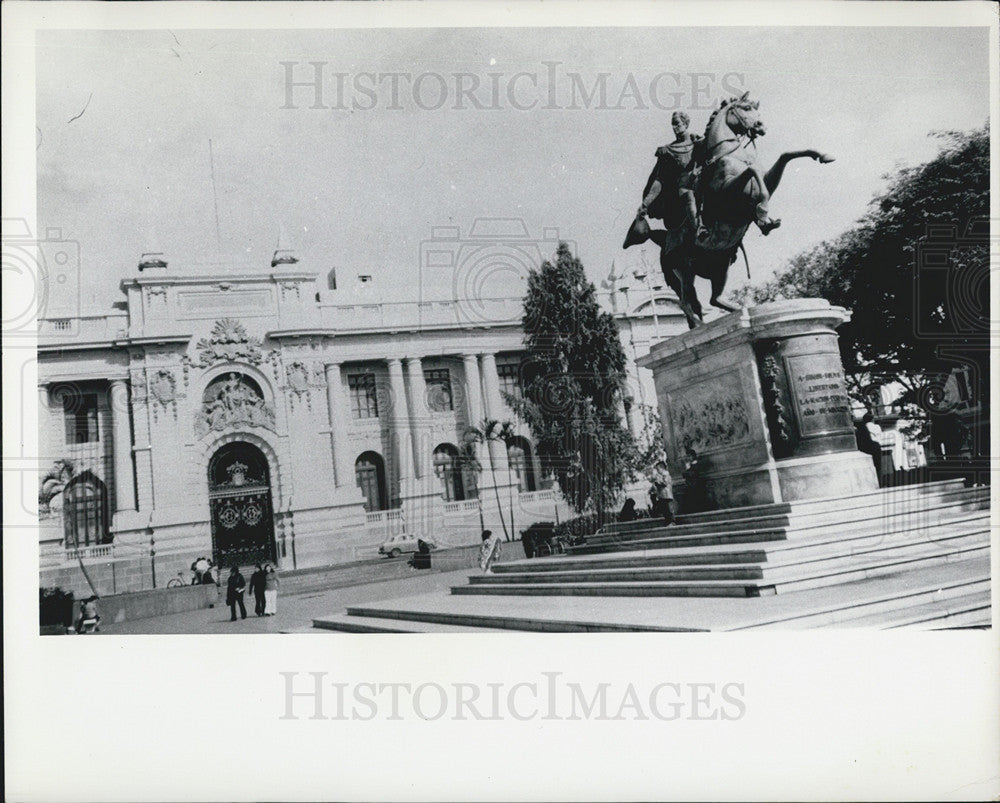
<point>399,418</point>
<point>122,447</point>
<point>420,419</point>
<point>337,405</point>
<point>494,406</point>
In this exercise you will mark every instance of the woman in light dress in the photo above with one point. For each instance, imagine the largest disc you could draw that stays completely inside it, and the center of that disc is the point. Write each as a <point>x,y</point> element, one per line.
<point>489,551</point>
<point>270,591</point>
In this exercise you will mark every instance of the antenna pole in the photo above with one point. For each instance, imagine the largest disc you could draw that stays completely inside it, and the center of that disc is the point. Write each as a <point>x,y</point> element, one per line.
<point>215,195</point>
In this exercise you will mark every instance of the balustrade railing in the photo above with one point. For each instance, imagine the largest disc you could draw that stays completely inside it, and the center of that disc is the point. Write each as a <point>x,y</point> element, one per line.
<point>388,522</point>
<point>532,497</point>
<point>90,552</point>
<point>461,507</point>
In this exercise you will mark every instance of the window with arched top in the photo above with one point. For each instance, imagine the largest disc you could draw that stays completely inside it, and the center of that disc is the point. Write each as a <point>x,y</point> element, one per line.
<point>447,468</point>
<point>85,512</point>
<point>369,473</point>
<point>519,458</point>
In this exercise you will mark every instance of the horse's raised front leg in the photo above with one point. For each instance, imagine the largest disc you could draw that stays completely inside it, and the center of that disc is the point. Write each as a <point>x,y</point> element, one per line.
<point>773,176</point>
<point>761,216</point>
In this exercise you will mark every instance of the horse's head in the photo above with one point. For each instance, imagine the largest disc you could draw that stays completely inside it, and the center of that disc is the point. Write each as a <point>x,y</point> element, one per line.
<point>739,115</point>
<point>743,117</point>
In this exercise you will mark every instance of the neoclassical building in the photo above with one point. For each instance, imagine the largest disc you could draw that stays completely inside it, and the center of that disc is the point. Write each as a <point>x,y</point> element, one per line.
<point>248,414</point>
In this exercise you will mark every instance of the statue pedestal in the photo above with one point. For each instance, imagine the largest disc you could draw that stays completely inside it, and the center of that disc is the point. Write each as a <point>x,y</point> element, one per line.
<point>759,396</point>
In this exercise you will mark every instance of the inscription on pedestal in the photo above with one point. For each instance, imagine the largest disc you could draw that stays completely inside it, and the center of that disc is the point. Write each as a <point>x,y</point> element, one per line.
<point>820,393</point>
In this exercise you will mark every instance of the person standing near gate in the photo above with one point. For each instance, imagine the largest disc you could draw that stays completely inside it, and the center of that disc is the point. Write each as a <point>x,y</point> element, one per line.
<point>270,591</point>
<point>257,589</point>
<point>661,494</point>
<point>234,592</point>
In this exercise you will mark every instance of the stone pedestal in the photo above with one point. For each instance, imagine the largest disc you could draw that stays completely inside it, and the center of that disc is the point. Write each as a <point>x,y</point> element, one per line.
<point>759,396</point>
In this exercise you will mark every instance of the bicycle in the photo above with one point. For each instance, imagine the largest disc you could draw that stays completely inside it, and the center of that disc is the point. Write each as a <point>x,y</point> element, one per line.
<point>210,577</point>
<point>177,582</point>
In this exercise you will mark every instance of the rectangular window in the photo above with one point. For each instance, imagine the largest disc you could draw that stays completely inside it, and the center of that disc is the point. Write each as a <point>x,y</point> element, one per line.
<point>438,381</point>
<point>80,417</point>
<point>510,379</point>
<point>364,398</point>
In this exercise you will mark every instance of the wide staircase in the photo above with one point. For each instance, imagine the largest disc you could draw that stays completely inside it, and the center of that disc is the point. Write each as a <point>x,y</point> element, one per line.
<point>914,556</point>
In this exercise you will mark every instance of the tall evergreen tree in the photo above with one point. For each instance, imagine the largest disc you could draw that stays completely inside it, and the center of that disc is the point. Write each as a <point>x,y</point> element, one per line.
<point>572,381</point>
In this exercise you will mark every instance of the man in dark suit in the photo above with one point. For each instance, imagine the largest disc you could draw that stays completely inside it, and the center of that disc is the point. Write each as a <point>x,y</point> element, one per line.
<point>234,592</point>
<point>257,589</point>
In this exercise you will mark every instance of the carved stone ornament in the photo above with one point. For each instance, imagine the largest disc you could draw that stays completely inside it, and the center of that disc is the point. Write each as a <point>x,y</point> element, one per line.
<point>229,342</point>
<point>163,386</point>
<point>771,376</point>
<point>713,425</point>
<point>235,404</point>
<point>298,377</point>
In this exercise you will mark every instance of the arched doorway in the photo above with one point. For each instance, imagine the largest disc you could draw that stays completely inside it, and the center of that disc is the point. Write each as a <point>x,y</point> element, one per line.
<point>369,473</point>
<point>519,457</point>
<point>239,495</point>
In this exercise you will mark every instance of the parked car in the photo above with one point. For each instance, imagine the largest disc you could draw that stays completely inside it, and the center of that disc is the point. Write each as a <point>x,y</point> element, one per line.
<point>396,545</point>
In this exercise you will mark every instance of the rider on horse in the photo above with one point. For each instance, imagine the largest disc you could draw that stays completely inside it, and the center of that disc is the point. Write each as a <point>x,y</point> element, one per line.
<point>669,194</point>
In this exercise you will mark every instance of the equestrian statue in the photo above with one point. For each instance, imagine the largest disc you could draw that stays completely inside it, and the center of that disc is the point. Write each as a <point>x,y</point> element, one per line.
<point>708,191</point>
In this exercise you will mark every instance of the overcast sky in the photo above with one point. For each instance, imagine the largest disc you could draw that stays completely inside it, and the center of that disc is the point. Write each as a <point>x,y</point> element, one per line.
<point>124,122</point>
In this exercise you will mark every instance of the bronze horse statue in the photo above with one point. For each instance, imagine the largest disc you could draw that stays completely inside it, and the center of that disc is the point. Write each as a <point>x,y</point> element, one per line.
<point>732,193</point>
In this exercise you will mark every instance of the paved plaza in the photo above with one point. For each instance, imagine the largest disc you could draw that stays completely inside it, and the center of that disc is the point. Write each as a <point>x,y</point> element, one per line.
<point>296,610</point>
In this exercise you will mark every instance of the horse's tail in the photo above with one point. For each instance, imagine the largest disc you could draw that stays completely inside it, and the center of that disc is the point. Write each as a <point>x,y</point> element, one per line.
<point>745,260</point>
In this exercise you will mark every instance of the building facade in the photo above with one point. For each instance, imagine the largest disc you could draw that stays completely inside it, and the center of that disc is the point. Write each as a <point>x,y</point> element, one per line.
<point>258,415</point>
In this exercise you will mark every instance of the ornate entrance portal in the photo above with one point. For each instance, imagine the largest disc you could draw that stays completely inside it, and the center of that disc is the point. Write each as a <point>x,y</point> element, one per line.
<point>239,495</point>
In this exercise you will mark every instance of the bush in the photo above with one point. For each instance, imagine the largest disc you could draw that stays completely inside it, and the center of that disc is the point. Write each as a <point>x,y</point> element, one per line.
<point>541,532</point>
<point>55,607</point>
<point>576,530</point>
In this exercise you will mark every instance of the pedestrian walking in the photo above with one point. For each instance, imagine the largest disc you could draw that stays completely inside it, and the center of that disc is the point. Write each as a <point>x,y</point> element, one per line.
<point>661,493</point>
<point>257,589</point>
<point>200,567</point>
<point>489,551</point>
<point>89,617</point>
<point>234,592</point>
<point>421,559</point>
<point>270,591</point>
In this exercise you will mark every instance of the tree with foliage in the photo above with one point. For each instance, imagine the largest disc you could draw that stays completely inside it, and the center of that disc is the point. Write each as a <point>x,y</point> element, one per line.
<point>573,376</point>
<point>52,485</point>
<point>650,449</point>
<point>914,270</point>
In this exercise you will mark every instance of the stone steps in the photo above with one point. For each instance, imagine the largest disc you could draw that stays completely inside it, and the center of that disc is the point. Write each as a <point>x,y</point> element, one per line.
<point>421,619</point>
<point>725,571</point>
<point>913,496</point>
<point>350,623</point>
<point>736,581</point>
<point>821,607</point>
<point>881,496</point>
<point>881,608</point>
<point>871,519</point>
<point>877,506</point>
<point>921,561</point>
<point>671,553</point>
<point>967,610</point>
